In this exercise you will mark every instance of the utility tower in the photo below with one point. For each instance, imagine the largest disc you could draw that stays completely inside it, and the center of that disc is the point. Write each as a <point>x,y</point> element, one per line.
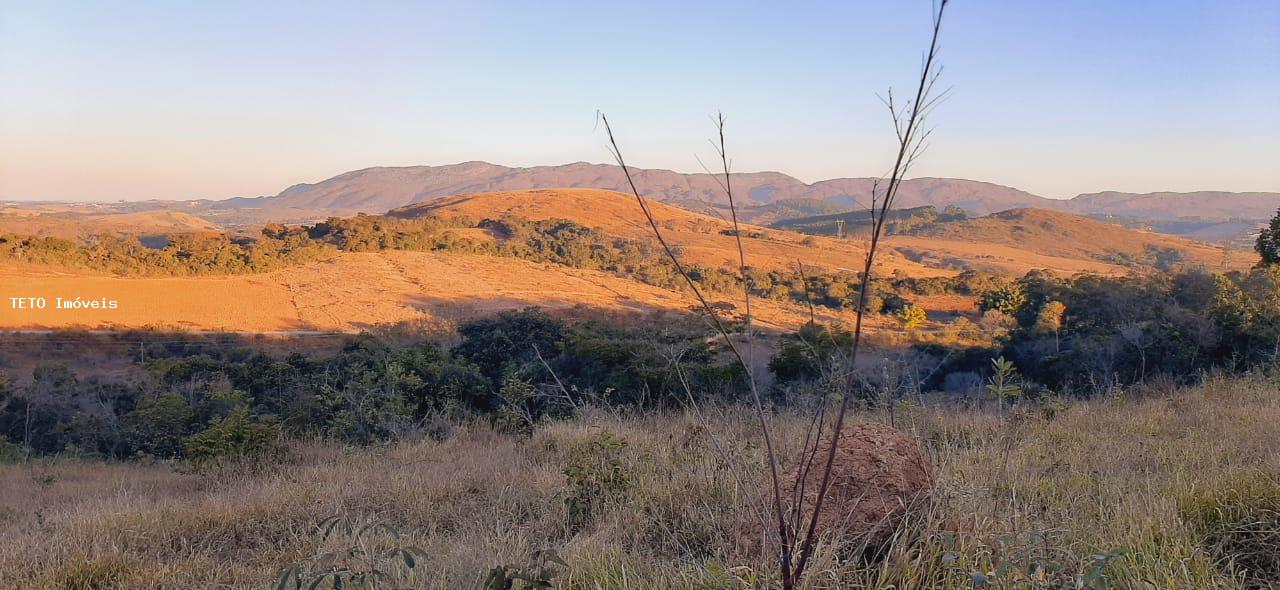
<point>840,229</point>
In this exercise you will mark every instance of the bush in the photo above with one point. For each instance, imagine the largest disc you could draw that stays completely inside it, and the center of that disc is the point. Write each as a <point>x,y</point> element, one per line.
<point>1238,522</point>
<point>809,352</point>
<point>160,423</point>
<point>891,303</point>
<point>11,452</point>
<point>509,342</point>
<point>596,476</point>
<point>238,436</point>
<point>911,317</point>
<point>1007,299</point>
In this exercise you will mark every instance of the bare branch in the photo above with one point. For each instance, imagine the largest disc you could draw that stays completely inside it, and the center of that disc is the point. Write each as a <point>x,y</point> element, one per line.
<point>908,127</point>
<point>783,532</point>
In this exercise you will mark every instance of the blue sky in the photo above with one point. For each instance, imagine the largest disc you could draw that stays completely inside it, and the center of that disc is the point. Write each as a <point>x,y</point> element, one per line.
<point>144,99</point>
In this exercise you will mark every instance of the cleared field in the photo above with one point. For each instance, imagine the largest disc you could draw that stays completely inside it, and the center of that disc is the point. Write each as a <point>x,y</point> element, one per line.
<point>349,293</point>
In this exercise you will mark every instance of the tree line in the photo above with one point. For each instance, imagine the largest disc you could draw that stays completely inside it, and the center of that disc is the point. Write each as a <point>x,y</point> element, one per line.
<point>202,400</point>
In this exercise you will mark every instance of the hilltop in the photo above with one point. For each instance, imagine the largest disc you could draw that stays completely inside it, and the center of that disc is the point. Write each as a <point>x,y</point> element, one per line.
<point>1070,236</point>
<point>1170,205</point>
<point>1011,242</point>
<point>702,239</point>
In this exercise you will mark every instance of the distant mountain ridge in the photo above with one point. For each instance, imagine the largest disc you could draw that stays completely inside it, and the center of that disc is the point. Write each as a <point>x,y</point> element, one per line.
<point>1205,204</point>
<point>379,189</point>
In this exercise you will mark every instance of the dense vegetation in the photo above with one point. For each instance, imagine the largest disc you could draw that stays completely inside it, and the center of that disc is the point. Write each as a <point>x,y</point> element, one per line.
<point>181,255</point>
<point>1083,335</point>
<point>556,241</point>
<point>201,399</point>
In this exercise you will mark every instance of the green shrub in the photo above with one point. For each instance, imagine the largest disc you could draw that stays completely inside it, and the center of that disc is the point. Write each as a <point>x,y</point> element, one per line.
<point>1238,522</point>
<point>159,424</point>
<point>595,475</point>
<point>11,452</point>
<point>1008,299</point>
<point>238,436</point>
<point>807,353</point>
<point>1268,243</point>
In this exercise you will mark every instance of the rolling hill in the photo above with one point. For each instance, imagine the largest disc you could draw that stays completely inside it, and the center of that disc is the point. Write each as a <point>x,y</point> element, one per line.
<point>382,188</point>
<point>1064,235</point>
<point>352,291</point>
<point>762,197</point>
<point>348,293</point>
<point>702,239</point>
<point>1166,206</point>
<point>1013,242</point>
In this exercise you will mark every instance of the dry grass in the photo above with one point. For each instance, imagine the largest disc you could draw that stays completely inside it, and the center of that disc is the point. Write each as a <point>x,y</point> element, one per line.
<point>1108,474</point>
<point>357,291</point>
<point>350,292</point>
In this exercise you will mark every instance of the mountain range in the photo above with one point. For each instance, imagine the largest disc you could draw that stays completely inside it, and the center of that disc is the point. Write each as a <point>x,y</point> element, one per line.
<point>380,189</point>
<point>384,188</point>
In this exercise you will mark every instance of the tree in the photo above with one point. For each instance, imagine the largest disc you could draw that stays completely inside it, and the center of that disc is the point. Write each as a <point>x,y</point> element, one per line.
<point>1268,243</point>
<point>159,424</point>
<point>1006,299</point>
<point>509,341</point>
<point>1050,318</point>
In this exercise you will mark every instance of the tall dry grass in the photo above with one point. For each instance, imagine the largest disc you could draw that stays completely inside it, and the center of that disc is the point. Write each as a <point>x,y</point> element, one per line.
<point>1058,485</point>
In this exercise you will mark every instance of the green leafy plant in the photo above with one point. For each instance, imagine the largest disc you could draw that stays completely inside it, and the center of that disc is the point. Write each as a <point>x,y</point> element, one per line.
<point>1268,243</point>
<point>595,475</point>
<point>540,571</point>
<point>372,556</point>
<point>236,437</point>
<point>1041,560</point>
<point>160,422</point>
<point>516,416</point>
<point>1005,383</point>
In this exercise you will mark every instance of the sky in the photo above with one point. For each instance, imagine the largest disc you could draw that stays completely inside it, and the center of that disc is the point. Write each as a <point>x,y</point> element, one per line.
<point>174,100</point>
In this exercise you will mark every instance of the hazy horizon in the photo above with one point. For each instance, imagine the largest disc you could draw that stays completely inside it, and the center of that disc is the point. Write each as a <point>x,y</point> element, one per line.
<point>106,102</point>
<point>600,163</point>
